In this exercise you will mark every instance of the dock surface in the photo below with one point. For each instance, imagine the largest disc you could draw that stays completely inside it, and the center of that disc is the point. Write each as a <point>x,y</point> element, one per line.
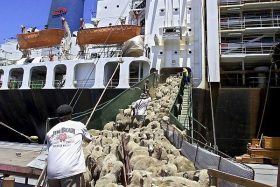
<point>20,160</point>
<point>266,174</point>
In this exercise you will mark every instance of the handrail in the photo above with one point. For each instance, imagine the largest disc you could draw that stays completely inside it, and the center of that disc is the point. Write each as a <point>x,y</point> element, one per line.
<point>241,2</point>
<point>215,175</point>
<point>42,177</point>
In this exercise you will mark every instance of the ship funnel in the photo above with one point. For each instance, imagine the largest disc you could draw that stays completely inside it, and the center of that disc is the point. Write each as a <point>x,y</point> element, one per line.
<point>72,11</point>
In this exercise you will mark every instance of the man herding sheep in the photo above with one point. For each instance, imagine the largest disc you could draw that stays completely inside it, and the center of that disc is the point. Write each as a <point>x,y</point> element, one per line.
<point>66,163</point>
<point>140,107</point>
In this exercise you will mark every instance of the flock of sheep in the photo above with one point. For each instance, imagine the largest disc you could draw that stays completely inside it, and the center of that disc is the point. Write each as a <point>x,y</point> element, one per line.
<point>153,160</point>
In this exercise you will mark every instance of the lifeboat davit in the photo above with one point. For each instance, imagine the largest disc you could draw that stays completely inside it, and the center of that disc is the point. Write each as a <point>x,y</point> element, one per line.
<point>108,35</point>
<point>41,39</point>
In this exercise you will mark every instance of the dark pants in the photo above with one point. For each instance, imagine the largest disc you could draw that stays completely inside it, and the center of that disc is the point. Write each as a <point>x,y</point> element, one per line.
<point>186,80</point>
<point>73,181</point>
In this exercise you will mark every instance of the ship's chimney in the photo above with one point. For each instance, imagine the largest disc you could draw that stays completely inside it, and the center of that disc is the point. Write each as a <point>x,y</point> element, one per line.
<point>71,10</point>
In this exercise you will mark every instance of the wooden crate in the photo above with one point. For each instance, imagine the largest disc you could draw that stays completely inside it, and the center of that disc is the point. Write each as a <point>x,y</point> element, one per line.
<point>255,142</point>
<point>260,152</point>
<point>255,160</point>
<point>271,142</point>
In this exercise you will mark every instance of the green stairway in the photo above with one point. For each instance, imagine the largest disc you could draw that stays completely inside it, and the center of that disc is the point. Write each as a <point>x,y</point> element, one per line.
<point>183,118</point>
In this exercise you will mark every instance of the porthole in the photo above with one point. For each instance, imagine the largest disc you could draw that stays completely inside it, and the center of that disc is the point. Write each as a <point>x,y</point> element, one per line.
<point>118,6</point>
<point>105,7</point>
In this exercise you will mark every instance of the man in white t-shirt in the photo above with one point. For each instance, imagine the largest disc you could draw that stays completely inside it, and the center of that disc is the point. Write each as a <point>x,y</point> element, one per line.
<point>139,108</point>
<point>66,163</point>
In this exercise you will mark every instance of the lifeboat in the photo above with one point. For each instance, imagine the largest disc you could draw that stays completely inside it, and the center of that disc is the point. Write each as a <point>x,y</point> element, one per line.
<point>108,35</point>
<point>40,39</point>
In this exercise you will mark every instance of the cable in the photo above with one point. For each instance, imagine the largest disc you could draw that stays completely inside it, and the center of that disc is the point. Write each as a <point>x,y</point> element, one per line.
<point>102,95</point>
<point>19,133</point>
<point>102,50</point>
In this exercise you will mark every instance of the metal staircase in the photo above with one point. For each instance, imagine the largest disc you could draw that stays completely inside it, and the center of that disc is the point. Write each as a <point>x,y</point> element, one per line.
<point>186,112</point>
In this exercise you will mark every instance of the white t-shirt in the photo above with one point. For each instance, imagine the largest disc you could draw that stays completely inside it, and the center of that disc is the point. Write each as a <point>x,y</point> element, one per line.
<point>141,105</point>
<point>66,157</point>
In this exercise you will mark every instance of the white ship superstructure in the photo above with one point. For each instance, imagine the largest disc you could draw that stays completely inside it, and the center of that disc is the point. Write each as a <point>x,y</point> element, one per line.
<point>246,32</point>
<point>173,38</point>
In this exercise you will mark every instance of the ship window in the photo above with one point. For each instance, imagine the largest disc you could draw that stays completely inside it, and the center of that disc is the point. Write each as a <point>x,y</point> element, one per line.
<point>161,10</point>
<point>190,8</point>
<point>59,76</point>
<point>110,24</point>
<point>137,71</point>
<point>38,77</point>
<point>84,75</point>
<point>1,77</point>
<point>105,7</point>
<point>190,52</point>
<point>190,30</point>
<point>118,6</point>
<point>161,52</point>
<point>15,78</point>
<point>109,68</point>
<point>175,52</point>
<point>175,9</point>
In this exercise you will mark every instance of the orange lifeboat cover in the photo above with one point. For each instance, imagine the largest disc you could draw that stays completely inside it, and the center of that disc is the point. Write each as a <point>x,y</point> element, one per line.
<point>40,39</point>
<point>108,35</point>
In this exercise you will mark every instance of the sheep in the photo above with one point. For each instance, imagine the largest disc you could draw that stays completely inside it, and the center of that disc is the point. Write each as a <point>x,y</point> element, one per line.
<point>203,178</point>
<point>154,161</point>
<point>174,181</point>
<point>110,126</point>
<point>183,164</point>
<point>140,178</point>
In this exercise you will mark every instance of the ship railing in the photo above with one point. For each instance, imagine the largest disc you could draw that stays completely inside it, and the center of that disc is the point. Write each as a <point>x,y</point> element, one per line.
<point>249,82</point>
<point>247,48</point>
<point>84,83</point>
<point>14,84</point>
<point>240,2</point>
<point>234,23</point>
<point>59,83</point>
<point>114,83</point>
<point>133,81</point>
<point>104,54</point>
<point>37,84</point>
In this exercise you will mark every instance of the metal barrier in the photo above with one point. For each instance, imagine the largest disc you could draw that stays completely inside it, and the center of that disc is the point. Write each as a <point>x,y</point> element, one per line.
<point>248,82</point>
<point>13,84</point>
<point>240,2</point>
<point>247,48</point>
<point>231,23</point>
<point>37,84</point>
<point>205,159</point>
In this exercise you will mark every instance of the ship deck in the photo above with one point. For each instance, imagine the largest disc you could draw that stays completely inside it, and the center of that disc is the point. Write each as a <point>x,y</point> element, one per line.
<point>22,161</point>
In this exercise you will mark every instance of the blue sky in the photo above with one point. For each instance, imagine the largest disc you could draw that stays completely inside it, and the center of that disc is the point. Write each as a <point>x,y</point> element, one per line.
<point>14,13</point>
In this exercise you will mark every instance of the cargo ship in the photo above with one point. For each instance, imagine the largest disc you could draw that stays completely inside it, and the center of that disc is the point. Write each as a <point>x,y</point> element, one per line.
<point>230,46</point>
